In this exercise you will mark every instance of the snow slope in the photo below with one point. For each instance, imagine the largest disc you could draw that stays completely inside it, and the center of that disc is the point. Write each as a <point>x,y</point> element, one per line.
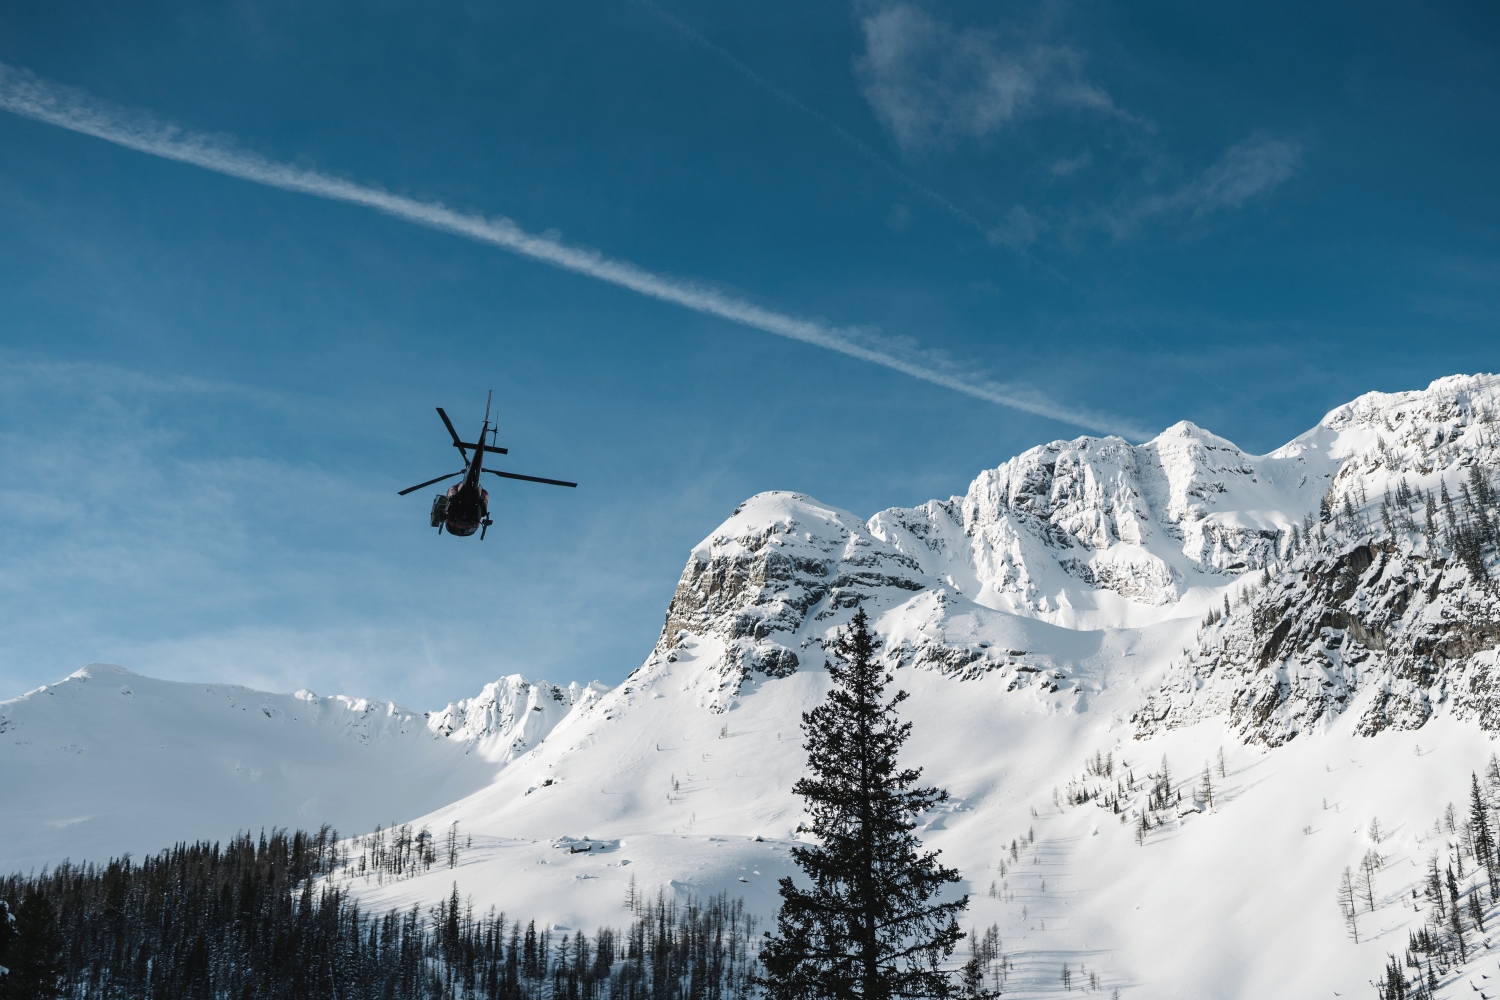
<point>1055,611</point>
<point>108,761</point>
<point>1237,903</point>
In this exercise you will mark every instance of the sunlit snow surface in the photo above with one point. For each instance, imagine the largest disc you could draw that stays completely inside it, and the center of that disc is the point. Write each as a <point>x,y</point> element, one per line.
<point>108,761</point>
<point>1237,903</point>
<point>1029,620</point>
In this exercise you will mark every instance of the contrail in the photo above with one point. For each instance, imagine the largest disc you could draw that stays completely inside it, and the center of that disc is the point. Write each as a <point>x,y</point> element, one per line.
<point>896,173</point>
<point>24,94</point>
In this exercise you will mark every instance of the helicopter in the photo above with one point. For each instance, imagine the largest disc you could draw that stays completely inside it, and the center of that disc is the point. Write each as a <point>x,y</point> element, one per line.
<point>465,508</point>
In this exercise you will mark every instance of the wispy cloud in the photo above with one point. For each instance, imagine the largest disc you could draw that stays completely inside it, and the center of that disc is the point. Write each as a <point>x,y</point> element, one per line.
<point>863,148</point>
<point>1247,170</point>
<point>1020,229</point>
<point>24,94</point>
<point>931,84</point>
<point>1068,166</point>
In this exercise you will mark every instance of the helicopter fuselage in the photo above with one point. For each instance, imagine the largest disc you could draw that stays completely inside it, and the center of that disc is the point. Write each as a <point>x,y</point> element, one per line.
<point>466,510</point>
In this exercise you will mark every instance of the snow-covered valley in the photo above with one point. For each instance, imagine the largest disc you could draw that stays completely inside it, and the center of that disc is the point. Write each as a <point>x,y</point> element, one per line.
<point>1323,617</point>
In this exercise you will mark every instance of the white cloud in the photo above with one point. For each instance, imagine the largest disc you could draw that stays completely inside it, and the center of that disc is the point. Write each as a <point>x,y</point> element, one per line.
<point>1020,229</point>
<point>930,83</point>
<point>1069,166</point>
<point>1246,170</point>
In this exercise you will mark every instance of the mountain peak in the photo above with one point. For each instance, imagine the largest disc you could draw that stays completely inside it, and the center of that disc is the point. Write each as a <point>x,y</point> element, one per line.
<point>93,670</point>
<point>1186,430</point>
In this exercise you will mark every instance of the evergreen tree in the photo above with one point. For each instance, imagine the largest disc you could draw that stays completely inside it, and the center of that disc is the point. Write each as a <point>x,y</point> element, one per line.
<point>1435,887</point>
<point>35,957</point>
<point>1455,922</point>
<point>1394,987</point>
<point>870,926</point>
<point>7,934</point>
<point>1484,839</point>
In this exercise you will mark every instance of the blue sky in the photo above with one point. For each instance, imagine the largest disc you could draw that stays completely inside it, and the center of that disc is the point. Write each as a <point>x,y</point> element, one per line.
<point>211,388</point>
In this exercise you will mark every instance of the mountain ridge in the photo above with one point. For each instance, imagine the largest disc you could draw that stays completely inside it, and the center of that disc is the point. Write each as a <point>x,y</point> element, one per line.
<point>1320,620</point>
<point>98,763</point>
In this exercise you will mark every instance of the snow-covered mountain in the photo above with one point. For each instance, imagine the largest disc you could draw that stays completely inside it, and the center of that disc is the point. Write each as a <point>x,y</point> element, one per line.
<point>1087,621</point>
<point>1387,588</point>
<point>107,761</point>
<point>1358,555</point>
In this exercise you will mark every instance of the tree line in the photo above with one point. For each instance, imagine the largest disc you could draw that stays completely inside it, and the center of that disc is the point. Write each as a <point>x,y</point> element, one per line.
<point>254,920</point>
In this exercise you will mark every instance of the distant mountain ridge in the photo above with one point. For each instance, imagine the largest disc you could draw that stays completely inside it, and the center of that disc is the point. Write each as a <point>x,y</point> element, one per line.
<point>102,761</point>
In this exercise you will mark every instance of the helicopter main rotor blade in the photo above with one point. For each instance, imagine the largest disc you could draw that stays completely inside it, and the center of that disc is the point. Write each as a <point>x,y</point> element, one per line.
<point>458,442</point>
<point>529,479</point>
<point>429,482</point>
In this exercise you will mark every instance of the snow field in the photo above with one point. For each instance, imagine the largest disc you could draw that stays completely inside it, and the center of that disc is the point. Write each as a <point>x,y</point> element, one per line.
<point>108,762</point>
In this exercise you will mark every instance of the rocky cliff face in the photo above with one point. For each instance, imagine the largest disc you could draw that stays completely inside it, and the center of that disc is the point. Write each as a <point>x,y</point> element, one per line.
<point>1388,604</point>
<point>510,715</point>
<point>1336,594</point>
<point>771,585</point>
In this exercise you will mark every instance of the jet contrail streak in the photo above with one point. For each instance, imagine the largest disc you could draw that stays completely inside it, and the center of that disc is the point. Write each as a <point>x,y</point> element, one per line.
<point>896,173</point>
<point>24,94</point>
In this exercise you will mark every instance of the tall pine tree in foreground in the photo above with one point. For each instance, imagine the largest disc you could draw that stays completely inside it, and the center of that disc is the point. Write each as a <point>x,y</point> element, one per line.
<point>871,926</point>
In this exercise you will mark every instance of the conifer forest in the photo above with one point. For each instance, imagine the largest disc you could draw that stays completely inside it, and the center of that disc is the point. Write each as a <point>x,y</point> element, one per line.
<point>256,919</point>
